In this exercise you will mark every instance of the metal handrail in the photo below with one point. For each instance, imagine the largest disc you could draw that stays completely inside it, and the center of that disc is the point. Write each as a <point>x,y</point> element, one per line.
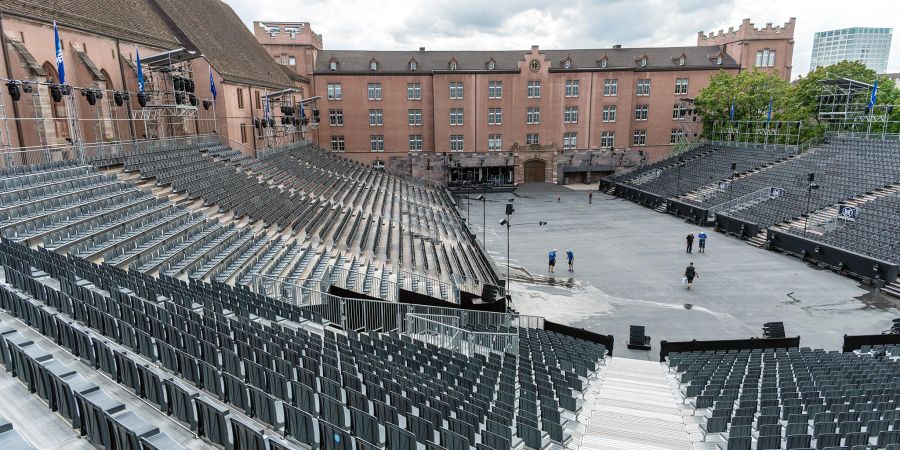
<point>428,329</point>
<point>726,206</point>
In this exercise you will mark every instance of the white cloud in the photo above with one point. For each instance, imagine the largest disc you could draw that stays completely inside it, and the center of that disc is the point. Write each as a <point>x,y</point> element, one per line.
<point>518,24</point>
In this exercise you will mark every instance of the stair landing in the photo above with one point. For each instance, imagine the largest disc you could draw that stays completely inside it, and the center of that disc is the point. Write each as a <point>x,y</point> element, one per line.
<point>638,407</point>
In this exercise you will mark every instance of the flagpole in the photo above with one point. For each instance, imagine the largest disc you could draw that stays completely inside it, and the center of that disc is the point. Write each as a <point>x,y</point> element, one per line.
<point>211,87</point>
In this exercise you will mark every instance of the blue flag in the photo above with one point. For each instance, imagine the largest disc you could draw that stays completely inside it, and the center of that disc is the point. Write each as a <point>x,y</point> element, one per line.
<point>769,114</point>
<point>302,113</point>
<point>874,93</point>
<point>731,113</point>
<point>60,63</point>
<point>212,84</point>
<point>140,71</point>
<point>267,103</point>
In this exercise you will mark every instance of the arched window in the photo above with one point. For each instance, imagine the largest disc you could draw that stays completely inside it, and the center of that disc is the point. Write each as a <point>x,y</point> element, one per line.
<point>603,63</point>
<point>57,109</point>
<point>332,65</point>
<point>643,61</point>
<point>373,65</point>
<point>567,63</point>
<point>412,64</point>
<point>681,60</point>
<point>719,60</point>
<point>452,64</point>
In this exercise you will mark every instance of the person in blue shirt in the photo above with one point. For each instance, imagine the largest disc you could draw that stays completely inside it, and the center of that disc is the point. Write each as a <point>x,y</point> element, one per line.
<point>701,237</point>
<point>552,257</point>
<point>570,256</point>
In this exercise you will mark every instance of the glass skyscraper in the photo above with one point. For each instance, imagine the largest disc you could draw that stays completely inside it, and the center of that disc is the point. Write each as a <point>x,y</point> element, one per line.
<point>869,46</point>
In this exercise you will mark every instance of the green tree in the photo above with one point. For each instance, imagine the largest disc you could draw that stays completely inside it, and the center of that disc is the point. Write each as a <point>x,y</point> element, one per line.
<point>750,92</point>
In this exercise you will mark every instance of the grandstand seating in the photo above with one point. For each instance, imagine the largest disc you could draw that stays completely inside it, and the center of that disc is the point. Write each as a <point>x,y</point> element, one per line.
<point>243,371</point>
<point>792,398</point>
<point>312,217</point>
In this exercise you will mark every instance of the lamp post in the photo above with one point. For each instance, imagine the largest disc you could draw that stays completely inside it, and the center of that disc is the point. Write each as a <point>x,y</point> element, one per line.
<point>509,225</point>
<point>680,165</point>
<point>483,221</point>
<point>731,182</point>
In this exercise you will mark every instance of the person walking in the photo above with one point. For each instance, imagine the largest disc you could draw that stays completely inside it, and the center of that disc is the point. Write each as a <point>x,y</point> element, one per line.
<point>690,273</point>
<point>570,256</point>
<point>552,263</point>
<point>690,242</point>
<point>557,197</point>
<point>590,198</point>
<point>701,239</point>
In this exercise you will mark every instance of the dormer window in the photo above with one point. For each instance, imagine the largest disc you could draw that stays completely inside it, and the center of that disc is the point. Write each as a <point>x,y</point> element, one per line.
<point>332,65</point>
<point>604,62</point>
<point>452,64</point>
<point>491,65</point>
<point>681,60</point>
<point>719,60</point>
<point>567,63</point>
<point>412,65</point>
<point>373,65</point>
<point>643,61</point>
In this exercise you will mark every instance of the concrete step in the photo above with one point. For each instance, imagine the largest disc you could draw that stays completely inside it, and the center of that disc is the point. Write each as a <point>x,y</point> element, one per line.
<point>892,289</point>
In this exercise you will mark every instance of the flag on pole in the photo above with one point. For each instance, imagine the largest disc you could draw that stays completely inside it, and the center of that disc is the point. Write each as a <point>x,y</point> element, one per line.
<point>212,84</point>
<point>267,103</point>
<point>873,98</point>
<point>140,70</point>
<point>60,63</point>
<point>302,113</point>
<point>731,112</point>
<point>769,114</point>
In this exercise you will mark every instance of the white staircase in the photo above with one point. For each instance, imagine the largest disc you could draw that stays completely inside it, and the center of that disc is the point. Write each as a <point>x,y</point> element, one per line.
<point>637,407</point>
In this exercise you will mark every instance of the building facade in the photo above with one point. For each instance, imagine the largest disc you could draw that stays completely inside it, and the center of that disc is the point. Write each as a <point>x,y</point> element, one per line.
<point>770,49</point>
<point>870,46</point>
<point>100,41</point>
<point>294,45</point>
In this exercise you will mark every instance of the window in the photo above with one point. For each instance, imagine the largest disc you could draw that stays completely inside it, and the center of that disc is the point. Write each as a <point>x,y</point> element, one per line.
<point>534,89</point>
<point>456,142</point>
<point>570,114</point>
<point>640,137</point>
<point>572,88</point>
<point>452,65</point>
<point>336,117</point>
<point>374,91</point>
<point>765,58</point>
<point>567,64</point>
<point>413,91</point>
<point>610,87</point>
<point>675,136</point>
<point>681,86</point>
<point>332,65</point>
<point>532,139</point>
<point>495,89</point>
<point>412,65</point>
<point>292,61</point>
<point>240,98</point>
<point>491,65</point>
<point>456,116</point>
<point>609,113</point>
<point>533,116</point>
<point>244,133</point>
<point>376,143</point>
<point>415,142</point>
<point>570,141</point>
<point>681,60</point>
<point>415,117</point>
<point>258,103</point>
<point>607,139</point>
<point>456,90</point>
<point>679,110</point>
<point>719,60</point>
<point>495,142</point>
<point>640,112</point>
<point>495,116</point>
<point>643,88</point>
<point>373,65</point>
<point>337,143</point>
<point>334,91</point>
<point>603,63</point>
<point>376,118</point>
<point>643,62</point>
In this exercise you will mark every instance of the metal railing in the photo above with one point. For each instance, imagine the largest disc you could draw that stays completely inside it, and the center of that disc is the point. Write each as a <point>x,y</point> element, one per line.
<point>377,315</point>
<point>755,196</point>
<point>444,331</point>
<point>418,283</point>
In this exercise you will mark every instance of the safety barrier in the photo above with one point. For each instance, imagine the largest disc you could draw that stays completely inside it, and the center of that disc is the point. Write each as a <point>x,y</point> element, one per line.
<point>444,331</point>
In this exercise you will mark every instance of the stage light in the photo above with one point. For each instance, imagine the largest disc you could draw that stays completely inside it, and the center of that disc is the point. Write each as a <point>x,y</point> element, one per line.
<point>206,104</point>
<point>142,99</point>
<point>90,95</point>
<point>56,92</point>
<point>194,100</point>
<point>179,98</point>
<point>27,87</point>
<point>118,98</point>
<point>272,122</point>
<point>14,90</point>
<point>265,123</point>
<point>189,85</point>
<point>177,84</point>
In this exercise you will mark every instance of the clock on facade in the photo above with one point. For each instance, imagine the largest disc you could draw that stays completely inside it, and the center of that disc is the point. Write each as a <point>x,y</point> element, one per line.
<point>535,65</point>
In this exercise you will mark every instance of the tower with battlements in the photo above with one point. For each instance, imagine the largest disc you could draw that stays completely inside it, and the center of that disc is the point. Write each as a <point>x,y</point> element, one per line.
<point>769,48</point>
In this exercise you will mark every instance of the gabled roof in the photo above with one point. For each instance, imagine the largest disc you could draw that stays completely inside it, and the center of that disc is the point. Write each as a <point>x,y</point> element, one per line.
<point>658,58</point>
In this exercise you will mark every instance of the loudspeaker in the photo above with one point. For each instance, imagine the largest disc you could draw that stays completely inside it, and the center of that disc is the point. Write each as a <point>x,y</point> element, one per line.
<point>509,209</point>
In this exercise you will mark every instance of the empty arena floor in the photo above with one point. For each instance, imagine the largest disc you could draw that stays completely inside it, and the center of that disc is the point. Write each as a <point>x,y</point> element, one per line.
<point>628,266</point>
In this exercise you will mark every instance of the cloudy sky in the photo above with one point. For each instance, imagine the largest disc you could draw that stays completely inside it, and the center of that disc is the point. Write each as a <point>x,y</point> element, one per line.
<point>554,24</point>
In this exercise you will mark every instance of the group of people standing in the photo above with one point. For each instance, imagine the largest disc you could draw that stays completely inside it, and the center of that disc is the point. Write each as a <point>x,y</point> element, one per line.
<point>570,258</point>
<point>690,272</point>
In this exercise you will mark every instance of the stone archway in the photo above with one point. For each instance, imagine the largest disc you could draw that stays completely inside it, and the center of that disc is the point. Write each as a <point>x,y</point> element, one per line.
<point>535,171</point>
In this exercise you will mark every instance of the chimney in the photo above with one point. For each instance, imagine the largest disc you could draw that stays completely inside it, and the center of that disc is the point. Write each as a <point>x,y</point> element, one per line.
<point>421,49</point>
<point>617,46</point>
